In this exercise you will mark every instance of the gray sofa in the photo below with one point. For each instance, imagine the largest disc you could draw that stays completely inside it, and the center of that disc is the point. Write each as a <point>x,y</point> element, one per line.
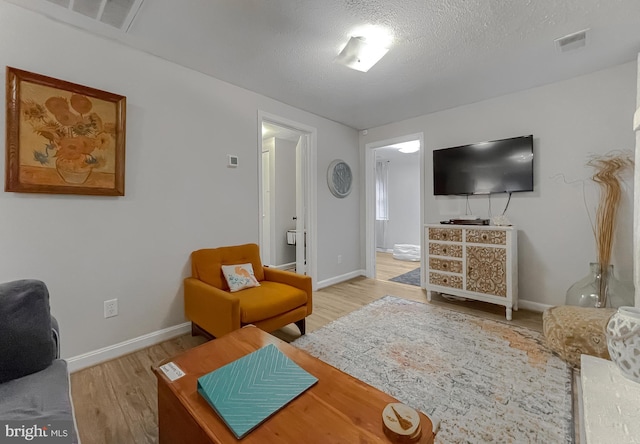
<point>34,382</point>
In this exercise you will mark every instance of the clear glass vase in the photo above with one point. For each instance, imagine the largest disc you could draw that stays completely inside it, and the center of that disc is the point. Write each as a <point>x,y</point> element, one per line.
<point>599,289</point>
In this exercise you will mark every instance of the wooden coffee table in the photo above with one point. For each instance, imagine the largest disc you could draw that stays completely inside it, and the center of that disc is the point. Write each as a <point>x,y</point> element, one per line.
<point>337,409</point>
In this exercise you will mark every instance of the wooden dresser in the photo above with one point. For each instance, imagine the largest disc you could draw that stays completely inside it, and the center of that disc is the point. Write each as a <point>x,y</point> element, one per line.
<point>474,262</point>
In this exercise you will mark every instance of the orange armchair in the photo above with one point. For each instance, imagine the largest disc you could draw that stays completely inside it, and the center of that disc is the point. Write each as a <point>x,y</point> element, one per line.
<point>282,298</point>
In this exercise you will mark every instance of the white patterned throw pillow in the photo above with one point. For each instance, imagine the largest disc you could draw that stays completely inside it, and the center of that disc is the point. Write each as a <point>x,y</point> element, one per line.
<point>239,276</point>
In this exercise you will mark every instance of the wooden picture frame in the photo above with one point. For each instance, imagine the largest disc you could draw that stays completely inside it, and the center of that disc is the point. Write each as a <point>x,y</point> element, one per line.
<point>63,138</point>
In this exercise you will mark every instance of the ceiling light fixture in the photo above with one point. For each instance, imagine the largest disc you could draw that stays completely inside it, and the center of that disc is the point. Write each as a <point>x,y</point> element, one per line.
<point>409,147</point>
<point>361,54</point>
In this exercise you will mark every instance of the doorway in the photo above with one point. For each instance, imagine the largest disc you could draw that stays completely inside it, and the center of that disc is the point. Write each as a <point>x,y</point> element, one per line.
<point>394,178</point>
<point>287,194</point>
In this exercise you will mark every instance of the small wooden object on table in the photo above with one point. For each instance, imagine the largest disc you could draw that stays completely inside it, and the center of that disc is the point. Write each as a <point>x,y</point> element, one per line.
<point>338,409</point>
<point>401,423</point>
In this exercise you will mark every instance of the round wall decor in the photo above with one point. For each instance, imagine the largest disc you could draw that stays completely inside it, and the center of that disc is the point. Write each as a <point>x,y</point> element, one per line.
<point>339,178</point>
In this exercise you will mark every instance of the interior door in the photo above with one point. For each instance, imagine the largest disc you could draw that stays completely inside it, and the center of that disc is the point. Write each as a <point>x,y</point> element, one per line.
<point>301,210</point>
<point>265,249</point>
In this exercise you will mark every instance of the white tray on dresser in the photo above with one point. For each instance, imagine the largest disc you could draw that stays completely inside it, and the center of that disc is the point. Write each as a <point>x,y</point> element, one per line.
<point>478,262</point>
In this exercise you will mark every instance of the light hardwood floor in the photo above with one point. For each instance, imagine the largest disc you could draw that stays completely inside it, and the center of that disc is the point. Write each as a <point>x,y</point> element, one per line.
<point>387,267</point>
<point>116,402</point>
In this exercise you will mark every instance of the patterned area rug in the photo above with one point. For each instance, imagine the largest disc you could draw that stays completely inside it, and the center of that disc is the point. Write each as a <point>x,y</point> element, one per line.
<point>412,277</point>
<point>487,381</point>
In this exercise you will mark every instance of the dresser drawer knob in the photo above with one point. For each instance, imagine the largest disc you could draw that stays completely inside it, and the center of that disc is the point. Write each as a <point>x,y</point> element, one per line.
<point>444,250</point>
<point>444,235</point>
<point>445,280</point>
<point>484,237</point>
<point>444,265</point>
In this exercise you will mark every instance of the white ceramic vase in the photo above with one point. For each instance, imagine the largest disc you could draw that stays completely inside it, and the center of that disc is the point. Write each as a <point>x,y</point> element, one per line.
<point>623,341</point>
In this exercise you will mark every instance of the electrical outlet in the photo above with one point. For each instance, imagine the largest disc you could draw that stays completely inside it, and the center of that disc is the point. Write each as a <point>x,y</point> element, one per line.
<point>110,308</point>
<point>339,258</point>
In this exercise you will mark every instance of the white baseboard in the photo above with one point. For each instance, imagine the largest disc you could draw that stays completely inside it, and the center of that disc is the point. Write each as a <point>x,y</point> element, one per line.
<point>342,278</point>
<point>91,358</point>
<point>533,306</point>
<point>114,351</point>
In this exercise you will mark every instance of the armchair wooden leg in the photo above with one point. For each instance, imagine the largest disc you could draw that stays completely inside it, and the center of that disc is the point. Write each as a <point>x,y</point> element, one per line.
<point>302,326</point>
<point>196,330</point>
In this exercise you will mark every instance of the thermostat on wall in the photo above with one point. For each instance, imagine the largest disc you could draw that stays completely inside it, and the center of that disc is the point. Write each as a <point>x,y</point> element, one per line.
<point>232,161</point>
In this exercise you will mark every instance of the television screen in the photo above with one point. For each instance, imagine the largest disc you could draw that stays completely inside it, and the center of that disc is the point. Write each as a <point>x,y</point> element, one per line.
<point>499,166</point>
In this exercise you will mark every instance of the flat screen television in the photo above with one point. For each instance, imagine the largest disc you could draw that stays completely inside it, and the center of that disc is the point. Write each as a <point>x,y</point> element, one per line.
<point>499,166</point>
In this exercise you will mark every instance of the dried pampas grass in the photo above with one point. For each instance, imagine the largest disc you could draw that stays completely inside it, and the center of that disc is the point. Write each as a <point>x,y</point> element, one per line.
<point>608,171</point>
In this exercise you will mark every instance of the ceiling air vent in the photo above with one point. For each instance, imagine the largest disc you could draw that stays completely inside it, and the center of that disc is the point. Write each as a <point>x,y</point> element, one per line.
<point>572,41</point>
<point>116,13</point>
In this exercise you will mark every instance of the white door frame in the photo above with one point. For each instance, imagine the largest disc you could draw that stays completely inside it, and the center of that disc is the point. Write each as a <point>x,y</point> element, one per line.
<point>370,202</point>
<point>310,190</point>
<point>301,204</point>
<point>636,205</point>
<point>266,246</point>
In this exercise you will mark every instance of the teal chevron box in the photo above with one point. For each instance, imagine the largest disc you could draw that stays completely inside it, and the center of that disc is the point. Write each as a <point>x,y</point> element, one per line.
<point>249,390</point>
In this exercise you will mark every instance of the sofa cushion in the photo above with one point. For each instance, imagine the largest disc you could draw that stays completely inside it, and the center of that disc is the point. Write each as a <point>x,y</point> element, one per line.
<point>239,277</point>
<point>268,300</point>
<point>27,344</point>
<point>572,331</point>
<point>41,398</point>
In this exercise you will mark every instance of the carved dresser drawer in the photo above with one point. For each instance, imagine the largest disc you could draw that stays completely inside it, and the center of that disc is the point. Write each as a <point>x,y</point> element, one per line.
<point>445,234</point>
<point>492,237</point>
<point>453,266</point>
<point>449,250</point>
<point>445,280</point>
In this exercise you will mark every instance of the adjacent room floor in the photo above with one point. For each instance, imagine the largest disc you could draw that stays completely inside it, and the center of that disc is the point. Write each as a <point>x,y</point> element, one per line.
<point>387,267</point>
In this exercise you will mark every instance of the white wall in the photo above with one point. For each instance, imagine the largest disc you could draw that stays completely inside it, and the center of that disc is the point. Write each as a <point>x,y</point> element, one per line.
<point>569,121</point>
<point>636,212</point>
<point>180,196</point>
<point>404,199</point>
<point>285,199</point>
<point>403,226</point>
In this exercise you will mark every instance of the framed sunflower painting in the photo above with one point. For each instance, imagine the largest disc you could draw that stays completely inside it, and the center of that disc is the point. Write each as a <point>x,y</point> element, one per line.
<point>62,137</point>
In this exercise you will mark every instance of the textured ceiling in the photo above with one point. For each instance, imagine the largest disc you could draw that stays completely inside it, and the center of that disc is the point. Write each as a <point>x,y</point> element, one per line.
<point>444,53</point>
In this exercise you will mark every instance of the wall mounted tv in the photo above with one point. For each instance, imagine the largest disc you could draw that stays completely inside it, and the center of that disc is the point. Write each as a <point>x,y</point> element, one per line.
<point>499,166</point>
